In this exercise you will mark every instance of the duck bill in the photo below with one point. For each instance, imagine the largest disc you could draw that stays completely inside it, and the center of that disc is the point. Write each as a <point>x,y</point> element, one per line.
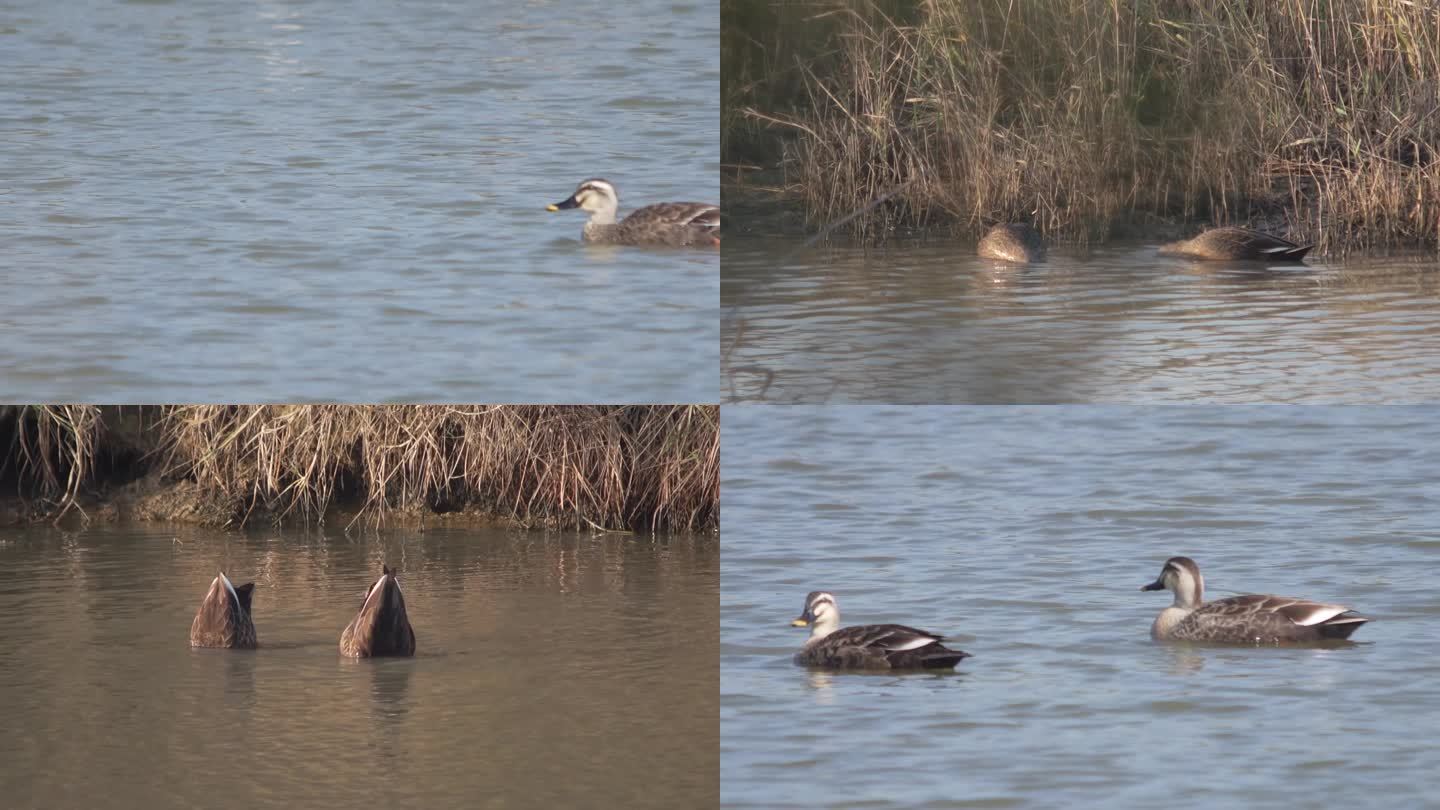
<point>563,205</point>
<point>1157,585</point>
<point>803,621</point>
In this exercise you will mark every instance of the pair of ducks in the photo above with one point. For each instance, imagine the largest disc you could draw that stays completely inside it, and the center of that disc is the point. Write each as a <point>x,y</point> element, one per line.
<point>1250,619</point>
<point>1010,242</point>
<point>380,628</point>
<point>669,224</point>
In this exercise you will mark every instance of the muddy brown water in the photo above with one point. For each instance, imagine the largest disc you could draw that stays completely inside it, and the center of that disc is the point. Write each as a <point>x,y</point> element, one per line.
<point>552,670</point>
<point>929,322</point>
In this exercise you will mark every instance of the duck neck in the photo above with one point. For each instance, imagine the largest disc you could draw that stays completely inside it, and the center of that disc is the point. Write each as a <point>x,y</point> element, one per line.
<point>596,232</point>
<point>604,216</point>
<point>824,625</point>
<point>1189,591</point>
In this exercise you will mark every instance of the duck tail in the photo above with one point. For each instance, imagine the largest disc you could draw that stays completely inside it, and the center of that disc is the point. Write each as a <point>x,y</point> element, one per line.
<point>1289,254</point>
<point>943,657</point>
<point>1342,626</point>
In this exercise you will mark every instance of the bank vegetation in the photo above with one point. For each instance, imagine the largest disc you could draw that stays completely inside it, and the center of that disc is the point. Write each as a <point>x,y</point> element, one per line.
<point>584,467</point>
<point>1318,118</point>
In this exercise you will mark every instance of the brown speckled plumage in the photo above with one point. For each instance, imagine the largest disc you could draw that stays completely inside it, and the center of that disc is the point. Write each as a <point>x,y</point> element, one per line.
<point>1237,244</point>
<point>382,626</point>
<point>223,619</point>
<point>1011,242</point>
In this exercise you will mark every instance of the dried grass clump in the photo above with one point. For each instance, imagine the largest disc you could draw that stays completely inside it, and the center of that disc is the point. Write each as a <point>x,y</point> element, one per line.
<point>598,466</point>
<point>53,449</point>
<point>1316,116</point>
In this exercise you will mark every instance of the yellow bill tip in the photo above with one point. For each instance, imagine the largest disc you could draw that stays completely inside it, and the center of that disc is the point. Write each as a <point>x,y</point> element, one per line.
<point>552,207</point>
<point>799,623</point>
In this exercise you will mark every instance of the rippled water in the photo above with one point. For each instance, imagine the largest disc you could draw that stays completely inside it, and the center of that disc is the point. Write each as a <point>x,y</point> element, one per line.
<point>1026,533</point>
<point>219,201</point>
<point>932,323</point>
<point>545,673</point>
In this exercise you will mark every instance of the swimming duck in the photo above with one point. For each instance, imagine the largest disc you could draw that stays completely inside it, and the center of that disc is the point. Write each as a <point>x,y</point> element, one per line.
<point>1250,619</point>
<point>381,627</point>
<point>1011,242</point>
<point>868,646</point>
<point>1237,244</point>
<point>223,619</point>
<point>676,224</point>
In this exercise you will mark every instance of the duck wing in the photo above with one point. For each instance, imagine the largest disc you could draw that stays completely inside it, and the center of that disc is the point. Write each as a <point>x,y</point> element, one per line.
<point>889,645</point>
<point>1256,245</point>
<point>1279,618</point>
<point>1327,619</point>
<point>677,215</point>
<point>886,637</point>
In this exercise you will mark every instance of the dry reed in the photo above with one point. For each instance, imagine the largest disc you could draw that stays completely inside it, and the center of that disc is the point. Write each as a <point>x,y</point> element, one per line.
<point>53,449</point>
<point>1317,117</point>
<point>607,467</point>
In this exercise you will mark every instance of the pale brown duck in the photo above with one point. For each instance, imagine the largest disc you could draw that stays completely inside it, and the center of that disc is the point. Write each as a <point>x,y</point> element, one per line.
<point>1012,242</point>
<point>1248,619</point>
<point>381,627</point>
<point>223,619</point>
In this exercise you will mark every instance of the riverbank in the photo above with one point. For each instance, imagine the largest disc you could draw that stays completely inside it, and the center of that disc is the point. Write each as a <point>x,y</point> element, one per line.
<point>622,468</point>
<point>1317,121</point>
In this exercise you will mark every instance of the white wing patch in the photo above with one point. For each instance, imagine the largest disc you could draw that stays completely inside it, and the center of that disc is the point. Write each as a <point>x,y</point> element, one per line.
<point>913,644</point>
<point>1321,614</point>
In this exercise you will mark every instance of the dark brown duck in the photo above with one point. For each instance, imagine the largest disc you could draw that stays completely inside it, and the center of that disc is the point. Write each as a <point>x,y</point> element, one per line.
<point>1237,244</point>
<point>867,646</point>
<point>382,626</point>
<point>224,617</point>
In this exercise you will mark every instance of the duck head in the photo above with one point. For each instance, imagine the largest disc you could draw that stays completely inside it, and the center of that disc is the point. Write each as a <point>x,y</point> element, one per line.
<point>224,616</point>
<point>597,196</point>
<point>381,627</point>
<point>1182,576</point>
<point>821,614</point>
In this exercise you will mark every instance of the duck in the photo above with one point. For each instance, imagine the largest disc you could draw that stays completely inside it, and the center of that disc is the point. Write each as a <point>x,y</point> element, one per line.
<point>223,619</point>
<point>673,224</point>
<point>1012,242</point>
<point>381,627</point>
<point>868,646</point>
<point>1237,244</point>
<point>1249,619</point>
